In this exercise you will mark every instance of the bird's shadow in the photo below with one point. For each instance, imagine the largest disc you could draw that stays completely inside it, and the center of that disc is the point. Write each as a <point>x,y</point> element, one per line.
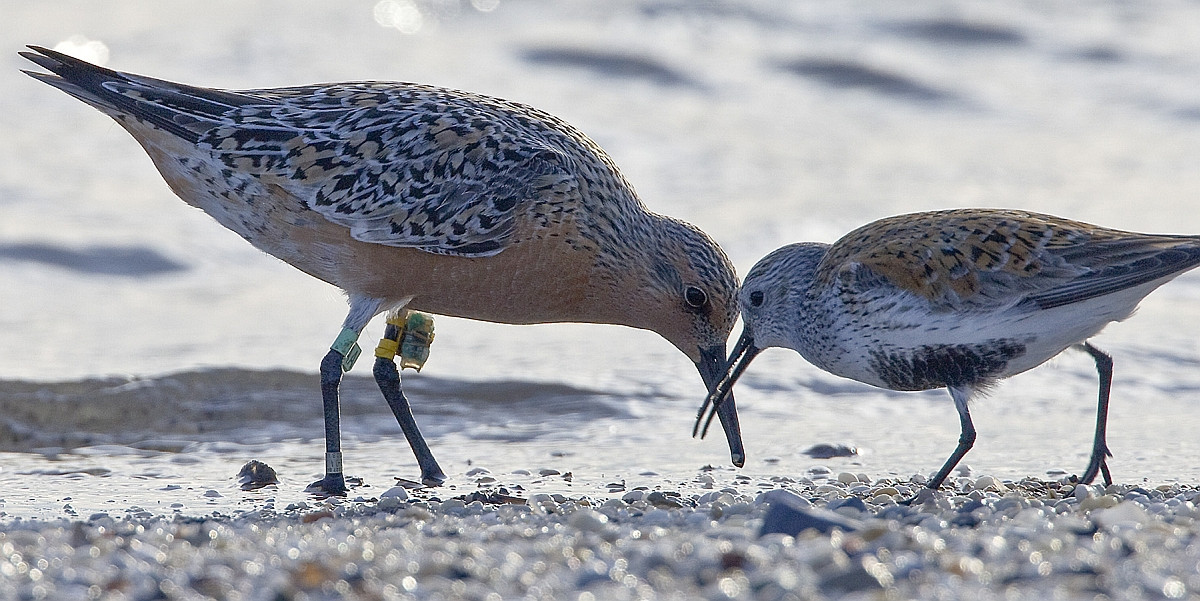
<point>129,261</point>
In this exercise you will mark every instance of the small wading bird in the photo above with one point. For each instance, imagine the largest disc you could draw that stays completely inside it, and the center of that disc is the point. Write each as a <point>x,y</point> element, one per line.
<point>412,197</point>
<point>956,299</point>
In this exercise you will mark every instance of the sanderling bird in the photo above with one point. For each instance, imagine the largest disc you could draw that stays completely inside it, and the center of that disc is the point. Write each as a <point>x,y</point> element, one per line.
<point>956,299</point>
<point>413,197</point>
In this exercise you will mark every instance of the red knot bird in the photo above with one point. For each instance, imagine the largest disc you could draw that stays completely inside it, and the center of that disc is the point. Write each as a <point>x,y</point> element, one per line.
<point>954,299</point>
<point>413,197</point>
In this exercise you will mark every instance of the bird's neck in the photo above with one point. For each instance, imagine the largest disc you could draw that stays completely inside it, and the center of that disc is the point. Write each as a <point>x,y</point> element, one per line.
<point>631,274</point>
<point>814,335</point>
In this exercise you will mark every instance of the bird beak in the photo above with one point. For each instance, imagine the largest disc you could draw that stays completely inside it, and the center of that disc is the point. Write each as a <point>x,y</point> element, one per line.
<point>720,396</point>
<point>714,372</point>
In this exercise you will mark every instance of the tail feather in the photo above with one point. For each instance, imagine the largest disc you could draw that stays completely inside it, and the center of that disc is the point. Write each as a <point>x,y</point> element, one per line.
<point>185,111</point>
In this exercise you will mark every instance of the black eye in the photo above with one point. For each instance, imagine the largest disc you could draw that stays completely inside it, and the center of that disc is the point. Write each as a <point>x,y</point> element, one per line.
<point>756,298</point>
<point>695,297</point>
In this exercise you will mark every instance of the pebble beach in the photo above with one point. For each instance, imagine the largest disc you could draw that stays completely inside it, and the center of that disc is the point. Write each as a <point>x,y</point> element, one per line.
<point>824,536</point>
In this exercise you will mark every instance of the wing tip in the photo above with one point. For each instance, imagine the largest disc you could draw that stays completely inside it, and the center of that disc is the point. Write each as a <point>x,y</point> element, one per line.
<point>51,59</point>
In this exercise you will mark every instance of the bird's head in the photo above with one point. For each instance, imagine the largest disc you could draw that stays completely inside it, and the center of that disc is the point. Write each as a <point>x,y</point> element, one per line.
<point>770,305</point>
<point>686,291</point>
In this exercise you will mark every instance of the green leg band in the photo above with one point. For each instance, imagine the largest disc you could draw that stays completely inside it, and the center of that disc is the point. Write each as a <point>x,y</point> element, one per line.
<point>347,344</point>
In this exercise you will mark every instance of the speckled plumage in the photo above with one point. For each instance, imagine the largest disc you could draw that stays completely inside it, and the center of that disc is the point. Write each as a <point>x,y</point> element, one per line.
<point>956,299</point>
<point>408,195</point>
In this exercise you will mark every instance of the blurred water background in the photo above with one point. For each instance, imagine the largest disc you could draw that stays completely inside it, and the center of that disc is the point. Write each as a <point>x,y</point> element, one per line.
<point>147,352</point>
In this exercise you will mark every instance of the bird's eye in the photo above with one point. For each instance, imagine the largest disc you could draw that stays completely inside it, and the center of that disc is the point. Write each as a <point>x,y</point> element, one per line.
<point>756,298</point>
<point>695,297</point>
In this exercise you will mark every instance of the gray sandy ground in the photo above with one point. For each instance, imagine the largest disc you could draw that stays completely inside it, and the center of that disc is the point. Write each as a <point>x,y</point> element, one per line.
<point>982,539</point>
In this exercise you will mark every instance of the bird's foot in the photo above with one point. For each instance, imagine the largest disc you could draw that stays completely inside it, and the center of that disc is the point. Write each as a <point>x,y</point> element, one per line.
<point>920,498</point>
<point>1098,466</point>
<point>332,485</point>
<point>433,477</point>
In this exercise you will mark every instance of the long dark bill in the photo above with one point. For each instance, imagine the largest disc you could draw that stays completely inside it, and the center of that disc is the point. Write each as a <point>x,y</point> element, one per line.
<point>712,368</point>
<point>719,401</point>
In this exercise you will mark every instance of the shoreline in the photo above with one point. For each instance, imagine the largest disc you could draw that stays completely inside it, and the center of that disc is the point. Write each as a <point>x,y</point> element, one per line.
<point>987,538</point>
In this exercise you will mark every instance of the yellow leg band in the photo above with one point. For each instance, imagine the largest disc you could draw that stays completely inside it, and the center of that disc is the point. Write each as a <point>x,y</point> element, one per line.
<point>387,348</point>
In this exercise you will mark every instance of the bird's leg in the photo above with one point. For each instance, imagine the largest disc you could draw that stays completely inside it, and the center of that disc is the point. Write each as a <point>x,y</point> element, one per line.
<point>341,357</point>
<point>1100,452</point>
<point>387,376</point>
<point>965,440</point>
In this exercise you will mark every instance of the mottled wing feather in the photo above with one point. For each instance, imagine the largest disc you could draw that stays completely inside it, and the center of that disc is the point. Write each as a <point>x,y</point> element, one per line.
<point>467,217</point>
<point>986,259</point>
<point>402,166</point>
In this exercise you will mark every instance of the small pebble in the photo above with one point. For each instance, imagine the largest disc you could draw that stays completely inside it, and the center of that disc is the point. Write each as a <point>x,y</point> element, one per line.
<point>1126,514</point>
<point>658,499</point>
<point>989,483</point>
<point>829,490</point>
<point>587,520</point>
<point>393,498</point>
<point>452,505</point>
<point>827,451</point>
<point>786,516</point>
<point>309,518</point>
<point>255,475</point>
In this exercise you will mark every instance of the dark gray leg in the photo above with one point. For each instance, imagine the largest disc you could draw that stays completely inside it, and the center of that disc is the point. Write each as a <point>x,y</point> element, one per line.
<point>341,357</point>
<point>965,440</point>
<point>1100,452</point>
<point>334,483</point>
<point>388,378</point>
